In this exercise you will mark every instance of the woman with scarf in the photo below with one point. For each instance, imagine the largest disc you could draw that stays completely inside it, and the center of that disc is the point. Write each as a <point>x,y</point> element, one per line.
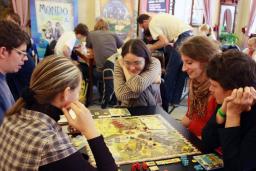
<point>195,54</point>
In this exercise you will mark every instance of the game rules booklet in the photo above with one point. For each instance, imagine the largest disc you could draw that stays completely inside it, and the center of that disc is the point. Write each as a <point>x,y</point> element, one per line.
<point>209,161</point>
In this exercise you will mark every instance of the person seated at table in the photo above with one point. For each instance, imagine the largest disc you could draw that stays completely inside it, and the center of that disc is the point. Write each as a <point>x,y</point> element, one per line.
<point>232,76</point>
<point>103,44</point>
<point>30,137</point>
<point>195,54</point>
<point>68,39</point>
<point>251,50</point>
<point>137,76</point>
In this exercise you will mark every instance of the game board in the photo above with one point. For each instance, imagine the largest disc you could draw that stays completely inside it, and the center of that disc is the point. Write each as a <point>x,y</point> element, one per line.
<point>143,138</point>
<point>111,112</point>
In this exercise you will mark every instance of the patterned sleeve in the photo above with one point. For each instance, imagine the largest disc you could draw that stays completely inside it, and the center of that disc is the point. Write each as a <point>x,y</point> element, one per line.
<point>56,148</point>
<point>133,87</point>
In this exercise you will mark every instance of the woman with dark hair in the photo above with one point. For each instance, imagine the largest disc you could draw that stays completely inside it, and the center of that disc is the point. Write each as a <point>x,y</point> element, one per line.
<point>195,54</point>
<point>137,76</point>
<point>233,79</point>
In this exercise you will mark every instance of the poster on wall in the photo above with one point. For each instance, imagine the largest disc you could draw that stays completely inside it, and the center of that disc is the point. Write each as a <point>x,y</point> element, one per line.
<point>49,19</point>
<point>154,6</point>
<point>121,16</point>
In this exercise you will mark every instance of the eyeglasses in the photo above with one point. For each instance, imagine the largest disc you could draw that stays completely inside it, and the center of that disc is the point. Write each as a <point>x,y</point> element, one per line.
<point>19,52</point>
<point>135,63</point>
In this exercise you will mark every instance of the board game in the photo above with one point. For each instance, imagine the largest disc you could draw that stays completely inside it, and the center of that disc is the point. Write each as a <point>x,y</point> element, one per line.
<point>111,112</point>
<point>209,161</point>
<point>142,138</point>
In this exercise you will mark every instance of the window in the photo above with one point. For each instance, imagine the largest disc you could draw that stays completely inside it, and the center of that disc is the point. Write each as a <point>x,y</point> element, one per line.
<point>190,11</point>
<point>197,13</point>
<point>182,10</point>
<point>253,27</point>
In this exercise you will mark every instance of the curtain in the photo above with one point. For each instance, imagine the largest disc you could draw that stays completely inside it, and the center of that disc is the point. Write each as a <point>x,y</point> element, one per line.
<point>21,8</point>
<point>207,12</point>
<point>251,17</point>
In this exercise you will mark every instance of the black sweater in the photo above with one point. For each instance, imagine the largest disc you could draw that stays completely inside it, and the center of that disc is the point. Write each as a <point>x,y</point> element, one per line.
<point>238,143</point>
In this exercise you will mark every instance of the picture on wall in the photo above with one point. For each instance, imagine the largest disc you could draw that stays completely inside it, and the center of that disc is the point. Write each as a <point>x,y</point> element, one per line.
<point>227,18</point>
<point>154,6</point>
<point>121,16</point>
<point>49,19</point>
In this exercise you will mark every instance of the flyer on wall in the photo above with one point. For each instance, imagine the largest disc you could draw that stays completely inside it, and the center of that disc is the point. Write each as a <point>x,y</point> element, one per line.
<point>121,16</point>
<point>49,19</point>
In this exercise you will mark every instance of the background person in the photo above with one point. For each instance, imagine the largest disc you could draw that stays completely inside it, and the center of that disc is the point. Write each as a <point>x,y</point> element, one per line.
<point>206,30</point>
<point>168,35</point>
<point>251,50</point>
<point>66,42</point>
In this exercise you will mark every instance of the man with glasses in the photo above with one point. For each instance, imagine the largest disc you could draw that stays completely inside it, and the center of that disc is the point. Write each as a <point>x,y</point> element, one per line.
<point>19,80</point>
<point>13,44</point>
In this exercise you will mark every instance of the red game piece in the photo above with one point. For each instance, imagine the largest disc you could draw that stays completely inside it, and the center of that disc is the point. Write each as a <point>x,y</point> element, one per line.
<point>134,167</point>
<point>144,166</point>
<point>137,166</point>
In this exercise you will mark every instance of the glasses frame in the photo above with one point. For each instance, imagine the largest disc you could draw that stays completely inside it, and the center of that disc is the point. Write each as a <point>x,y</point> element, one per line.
<point>135,63</point>
<point>24,54</point>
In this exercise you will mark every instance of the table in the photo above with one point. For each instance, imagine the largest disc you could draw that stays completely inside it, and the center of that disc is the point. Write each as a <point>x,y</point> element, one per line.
<point>189,136</point>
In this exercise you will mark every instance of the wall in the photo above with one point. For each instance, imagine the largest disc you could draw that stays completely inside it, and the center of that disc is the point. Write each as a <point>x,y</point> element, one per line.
<point>86,12</point>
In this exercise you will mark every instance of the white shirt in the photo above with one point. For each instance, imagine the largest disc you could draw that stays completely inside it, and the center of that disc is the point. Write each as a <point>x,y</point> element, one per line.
<point>67,39</point>
<point>167,25</point>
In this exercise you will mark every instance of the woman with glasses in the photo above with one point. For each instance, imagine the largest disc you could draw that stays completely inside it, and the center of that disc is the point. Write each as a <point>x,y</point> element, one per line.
<point>137,76</point>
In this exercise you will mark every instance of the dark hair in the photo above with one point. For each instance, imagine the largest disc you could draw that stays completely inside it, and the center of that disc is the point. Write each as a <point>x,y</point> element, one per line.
<point>138,48</point>
<point>11,35</point>
<point>232,69</point>
<point>15,17</point>
<point>81,29</point>
<point>142,17</point>
<point>225,48</point>
<point>199,48</point>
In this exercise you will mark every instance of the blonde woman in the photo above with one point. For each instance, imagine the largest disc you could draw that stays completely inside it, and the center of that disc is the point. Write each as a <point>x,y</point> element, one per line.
<point>206,30</point>
<point>30,137</point>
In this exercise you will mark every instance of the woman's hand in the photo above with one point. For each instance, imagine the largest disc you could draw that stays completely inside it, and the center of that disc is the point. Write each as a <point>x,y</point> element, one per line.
<point>127,74</point>
<point>82,120</point>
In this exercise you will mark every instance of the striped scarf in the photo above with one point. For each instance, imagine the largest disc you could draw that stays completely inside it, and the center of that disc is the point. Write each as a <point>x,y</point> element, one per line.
<point>198,98</point>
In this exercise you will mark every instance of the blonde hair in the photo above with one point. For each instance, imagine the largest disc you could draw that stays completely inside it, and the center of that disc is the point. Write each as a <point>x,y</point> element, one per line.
<point>101,25</point>
<point>206,29</point>
<point>252,40</point>
<point>50,77</point>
